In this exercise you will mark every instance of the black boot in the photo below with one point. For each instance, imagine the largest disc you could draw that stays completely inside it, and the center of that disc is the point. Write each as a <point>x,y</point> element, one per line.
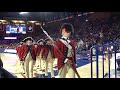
<point>118,69</point>
<point>53,77</point>
<point>43,75</point>
<point>46,76</point>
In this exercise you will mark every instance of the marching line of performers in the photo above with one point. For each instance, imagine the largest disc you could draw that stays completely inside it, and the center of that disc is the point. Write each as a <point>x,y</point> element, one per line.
<point>35,54</point>
<point>45,51</point>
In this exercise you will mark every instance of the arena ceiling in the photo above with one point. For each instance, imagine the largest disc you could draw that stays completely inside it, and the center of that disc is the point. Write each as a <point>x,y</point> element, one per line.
<point>42,16</point>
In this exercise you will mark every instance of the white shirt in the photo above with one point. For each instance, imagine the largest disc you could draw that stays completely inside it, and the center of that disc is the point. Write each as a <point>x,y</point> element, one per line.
<point>69,48</point>
<point>66,39</point>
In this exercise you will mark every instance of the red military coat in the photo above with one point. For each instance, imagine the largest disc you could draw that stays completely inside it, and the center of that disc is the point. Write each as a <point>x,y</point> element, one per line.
<point>62,48</point>
<point>45,51</point>
<point>18,49</point>
<point>23,51</point>
<point>38,49</point>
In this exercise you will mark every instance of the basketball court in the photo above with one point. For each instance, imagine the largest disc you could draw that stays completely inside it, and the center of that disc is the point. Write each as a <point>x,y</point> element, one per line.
<point>11,64</point>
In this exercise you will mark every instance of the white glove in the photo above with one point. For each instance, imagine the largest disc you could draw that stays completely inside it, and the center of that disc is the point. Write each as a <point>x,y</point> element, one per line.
<point>76,65</point>
<point>66,60</point>
<point>22,62</point>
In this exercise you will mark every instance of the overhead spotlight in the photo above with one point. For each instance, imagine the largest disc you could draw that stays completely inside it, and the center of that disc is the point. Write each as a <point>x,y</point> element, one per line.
<point>43,23</point>
<point>32,21</point>
<point>91,12</point>
<point>23,13</point>
<point>79,15</point>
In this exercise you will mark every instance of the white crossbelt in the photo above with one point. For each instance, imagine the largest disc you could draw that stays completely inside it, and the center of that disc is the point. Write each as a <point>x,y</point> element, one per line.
<point>67,45</point>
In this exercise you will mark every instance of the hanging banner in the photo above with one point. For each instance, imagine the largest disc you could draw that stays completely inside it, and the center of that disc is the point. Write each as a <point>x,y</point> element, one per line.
<point>30,27</point>
<point>1,27</point>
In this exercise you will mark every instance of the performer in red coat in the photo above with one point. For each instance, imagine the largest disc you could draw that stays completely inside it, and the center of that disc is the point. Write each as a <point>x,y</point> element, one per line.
<point>19,64</point>
<point>28,56</point>
<point>39,59</point>
<point>48,55</point>
<point>67,57</point>
<point>18,48</point>
<point>40,44</point>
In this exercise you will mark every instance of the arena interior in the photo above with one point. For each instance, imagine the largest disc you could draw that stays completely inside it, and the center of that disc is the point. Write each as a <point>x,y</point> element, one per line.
<point>90,28</point>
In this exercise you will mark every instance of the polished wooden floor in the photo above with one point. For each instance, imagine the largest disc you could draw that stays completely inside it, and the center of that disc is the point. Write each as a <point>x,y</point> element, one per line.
<point>10,62</point>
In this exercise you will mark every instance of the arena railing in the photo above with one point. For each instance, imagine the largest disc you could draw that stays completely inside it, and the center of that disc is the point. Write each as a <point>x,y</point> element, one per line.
<point>109,53</point>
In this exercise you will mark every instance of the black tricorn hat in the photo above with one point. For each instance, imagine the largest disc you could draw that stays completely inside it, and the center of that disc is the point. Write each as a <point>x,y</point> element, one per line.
<point>68,27</point>
<point>28,38</point>
<point>41,40</point>
<point>21,43</point>
<point>35,44</point>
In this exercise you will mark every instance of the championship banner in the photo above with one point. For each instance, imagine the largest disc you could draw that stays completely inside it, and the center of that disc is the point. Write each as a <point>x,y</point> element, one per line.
<point>1,27</point>
<point>30,27</point>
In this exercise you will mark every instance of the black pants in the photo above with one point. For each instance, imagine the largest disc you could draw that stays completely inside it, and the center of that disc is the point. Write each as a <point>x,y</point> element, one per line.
<point>1,65</point>
<point>0,72</point>
<point>118,62</point>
